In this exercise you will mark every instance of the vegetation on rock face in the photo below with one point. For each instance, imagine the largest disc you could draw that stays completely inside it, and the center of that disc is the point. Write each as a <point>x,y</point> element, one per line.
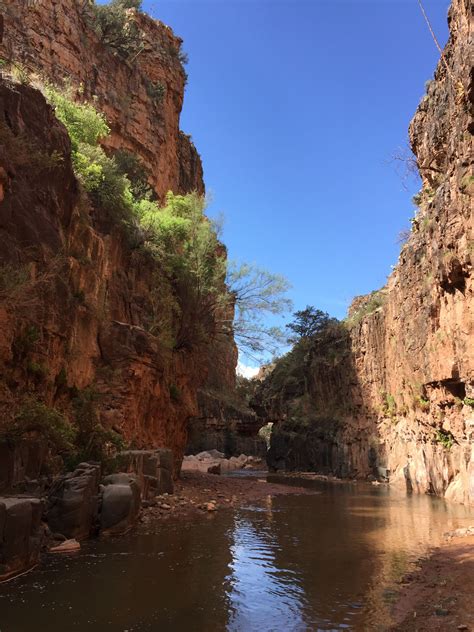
<point>445,438</point>
<point>364,306</point>
<point>290,390</point>
<point>116,28</point>
<point>34,418</point>
<point>308,322</point>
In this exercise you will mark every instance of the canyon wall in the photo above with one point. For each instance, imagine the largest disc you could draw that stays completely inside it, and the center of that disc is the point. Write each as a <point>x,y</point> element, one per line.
<point>76,298</point>
<point>57,40</point>
<point>396,398</point>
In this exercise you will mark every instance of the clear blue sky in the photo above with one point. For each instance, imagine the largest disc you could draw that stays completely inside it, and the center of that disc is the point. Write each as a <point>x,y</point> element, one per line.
<point>296,109</point>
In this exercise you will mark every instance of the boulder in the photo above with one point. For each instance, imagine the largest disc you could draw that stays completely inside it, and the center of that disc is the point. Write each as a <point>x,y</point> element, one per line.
<point>21,535</point>
<point>73,502</point>
<point>121,502</point>
<point>154,470</point>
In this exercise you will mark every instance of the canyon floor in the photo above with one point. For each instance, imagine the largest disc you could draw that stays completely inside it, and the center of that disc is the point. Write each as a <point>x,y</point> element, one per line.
<point>439,595</point>
<point>199,492</point>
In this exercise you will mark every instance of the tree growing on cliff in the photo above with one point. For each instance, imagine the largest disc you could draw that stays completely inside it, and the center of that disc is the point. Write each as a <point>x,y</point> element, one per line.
<point>307,323</point>
<point>257,294</point>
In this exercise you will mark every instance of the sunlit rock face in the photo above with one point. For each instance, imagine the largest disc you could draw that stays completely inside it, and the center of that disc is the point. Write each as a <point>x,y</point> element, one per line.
<point>57,39</point>
<point>90,294</point>
<point>399,397</point>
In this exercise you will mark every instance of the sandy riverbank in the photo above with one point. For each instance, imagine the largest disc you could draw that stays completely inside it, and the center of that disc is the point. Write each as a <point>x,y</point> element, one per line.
<point>439,595</point>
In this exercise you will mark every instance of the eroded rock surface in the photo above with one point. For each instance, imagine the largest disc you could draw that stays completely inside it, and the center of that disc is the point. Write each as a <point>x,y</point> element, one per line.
<point>21,534</point>
<point>393,398</point>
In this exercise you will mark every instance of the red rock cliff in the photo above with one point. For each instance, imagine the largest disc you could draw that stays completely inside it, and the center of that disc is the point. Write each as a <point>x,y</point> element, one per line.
<point>56,39</point>
<point>78,321</point>
<point>401,387</point>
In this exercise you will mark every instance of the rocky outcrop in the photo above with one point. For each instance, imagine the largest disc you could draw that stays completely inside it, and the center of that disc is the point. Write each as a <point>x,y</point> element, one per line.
<point>58,40</point>
<point>153,468</point>
<point>121,502</point>
<point>226,424</point>
<point>399,402</point>
<point>21,535</point>
<point>73,503</point>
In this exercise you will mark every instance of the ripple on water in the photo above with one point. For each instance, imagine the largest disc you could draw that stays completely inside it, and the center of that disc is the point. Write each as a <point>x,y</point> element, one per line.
<point>292,563</point>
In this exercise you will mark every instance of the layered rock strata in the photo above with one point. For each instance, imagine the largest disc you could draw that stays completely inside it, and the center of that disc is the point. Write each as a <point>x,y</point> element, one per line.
<point>399,401</point>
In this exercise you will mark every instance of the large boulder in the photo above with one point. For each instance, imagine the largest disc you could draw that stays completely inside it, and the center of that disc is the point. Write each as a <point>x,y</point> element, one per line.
<point>121,502</point>
<point>21,535</point>
<point>73,502</point>
<point>153,468</point>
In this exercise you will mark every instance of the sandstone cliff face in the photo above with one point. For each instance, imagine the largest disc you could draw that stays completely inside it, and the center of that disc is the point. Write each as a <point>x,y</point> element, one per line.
<point>77,320</point>
<point>56,39</point>
<point>407,385</point>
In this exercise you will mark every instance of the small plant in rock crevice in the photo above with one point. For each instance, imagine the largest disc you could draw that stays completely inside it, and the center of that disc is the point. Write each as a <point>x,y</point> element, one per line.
<point>445,438</point>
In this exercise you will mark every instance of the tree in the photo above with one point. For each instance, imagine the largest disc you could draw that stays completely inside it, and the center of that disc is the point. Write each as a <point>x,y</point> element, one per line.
<point>257,294</point>
<point>308,322</point>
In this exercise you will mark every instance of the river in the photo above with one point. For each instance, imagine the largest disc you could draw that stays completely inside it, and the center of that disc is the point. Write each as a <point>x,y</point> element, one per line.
<point>327,561</point>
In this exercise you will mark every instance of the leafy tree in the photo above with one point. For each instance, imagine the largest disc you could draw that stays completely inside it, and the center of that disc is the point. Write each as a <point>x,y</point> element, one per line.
<point>308,322</point>
<point>257,294</point>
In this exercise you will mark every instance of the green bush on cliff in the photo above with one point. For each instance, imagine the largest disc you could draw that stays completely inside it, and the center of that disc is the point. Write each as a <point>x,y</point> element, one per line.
<point>101,175</point>
<point>185,243</point>
<point>34,418</point>
<point>116,27</point>
<point>93,441</point>
<point>83,122</point>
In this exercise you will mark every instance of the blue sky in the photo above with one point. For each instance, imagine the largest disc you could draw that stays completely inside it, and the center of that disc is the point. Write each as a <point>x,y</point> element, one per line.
<point>296,108</point>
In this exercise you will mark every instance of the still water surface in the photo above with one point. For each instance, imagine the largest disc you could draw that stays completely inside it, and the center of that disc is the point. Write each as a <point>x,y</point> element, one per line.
<point>328,561</point>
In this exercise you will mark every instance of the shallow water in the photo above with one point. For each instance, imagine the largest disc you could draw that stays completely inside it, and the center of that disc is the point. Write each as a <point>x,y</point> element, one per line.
<point>328,561</point>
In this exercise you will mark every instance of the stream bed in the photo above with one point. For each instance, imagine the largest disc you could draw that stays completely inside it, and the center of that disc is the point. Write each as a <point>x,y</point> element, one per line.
<point>325,561</point>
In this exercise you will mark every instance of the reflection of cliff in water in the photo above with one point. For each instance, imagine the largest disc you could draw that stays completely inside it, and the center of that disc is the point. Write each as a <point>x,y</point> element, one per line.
<point>293,563</point>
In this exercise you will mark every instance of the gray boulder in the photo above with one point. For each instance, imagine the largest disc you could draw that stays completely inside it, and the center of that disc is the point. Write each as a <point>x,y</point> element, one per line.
<point>121,502</point>
<point>73,502</point>
<point>154,470</point>
<point>21,535</point>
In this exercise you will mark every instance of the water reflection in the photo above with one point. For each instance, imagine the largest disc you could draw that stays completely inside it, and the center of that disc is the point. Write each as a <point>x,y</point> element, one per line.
<point>327,561</point>
<point>261,592</point>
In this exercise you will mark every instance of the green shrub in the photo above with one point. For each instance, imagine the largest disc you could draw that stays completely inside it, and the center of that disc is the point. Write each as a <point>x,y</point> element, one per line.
<point>12,278</point>
<point>100,174</point>
<point>25,341</point>
<point>422,403</point>
<point>445,438</point>
<point>82,121</point>
<point>469,401</point>
<point>93,441</point>
<point>175,393</point>
<point>116,27</point>
<point>37,370</point>
<point>389,405</point>
<point>369,305</point>
<point>132,167</point>
<point>35,417</point>
<point>155,90</point>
